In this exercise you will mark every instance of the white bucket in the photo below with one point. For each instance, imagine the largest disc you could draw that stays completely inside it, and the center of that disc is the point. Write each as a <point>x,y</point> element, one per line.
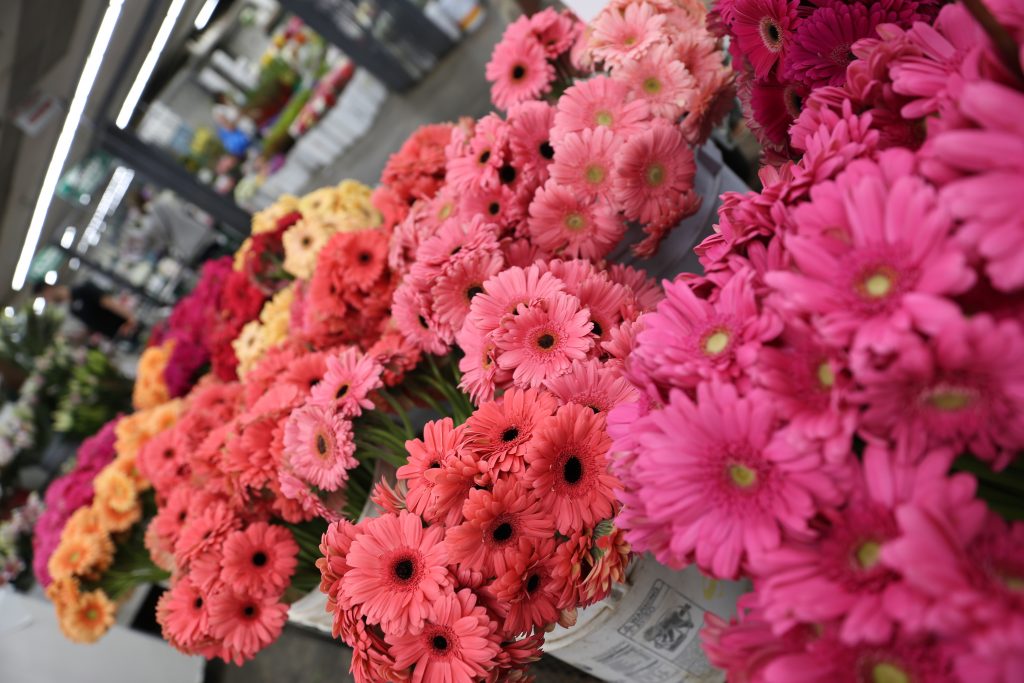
<point>648,630</point>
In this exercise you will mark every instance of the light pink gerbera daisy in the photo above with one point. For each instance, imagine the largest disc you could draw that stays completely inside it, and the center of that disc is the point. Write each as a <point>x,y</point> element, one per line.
<point>711,472</point>
<point>441,439</point>
<point>660,80</point>
<point>245,623</point>
<point>598,102</point>
<point>518,70</point>
<point>259,560</point>
<point>606,301</point>
<point>397,571</point>
<point>567,464</point>
<point>531,589</point>
<point>585,161</point>
<point>347,384</point>
<point>621,36</point>
<point>543,340</point>
<point>504,292</point>
<point>530,138</point>
<point>453,292</point>
<point>459,642</point>
<point>593,385</point>
<point>563,223</point>
<point>319,446</point>
<point>475,163</point>
<point>495,522</point>
<point>653,172</point>
<point>763,30</point>
<point>499,432</point>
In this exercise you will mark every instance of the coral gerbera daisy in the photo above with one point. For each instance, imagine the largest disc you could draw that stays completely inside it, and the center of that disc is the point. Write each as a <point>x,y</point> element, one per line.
<point>411,312</point>
<point>504,292</point>
<point>659,79</point>
<point>183,615</point>
<point>593,385</point>
<point>245,623</point>
<point>453,292</point>
<point>543,340</point>
<point>499,432</point>
<point>567,462</point>
<point>531,588</point>
<point>653,172</point>
<point>259,560</point>
<point>518,70</point>
<point>319,446</point>
<point>346,385</point>
<point>764,30</point>
<point>584,161</point>
<point>624,35</point>
<point>458,643</point>
<point>563,223</point>
<point>397,571</point>
<point>599,102</point>
<point>479,367</point>
<point>441,439</point>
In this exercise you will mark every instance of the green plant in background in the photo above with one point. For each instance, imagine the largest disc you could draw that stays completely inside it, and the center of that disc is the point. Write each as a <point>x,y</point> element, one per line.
<point>95,393</point>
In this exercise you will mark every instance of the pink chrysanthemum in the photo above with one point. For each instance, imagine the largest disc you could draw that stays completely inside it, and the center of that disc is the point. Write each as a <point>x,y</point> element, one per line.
<point>518,71</point>
<point>530,138</point>
<point>499,432</point>
<point>543,340</point>
<point>593,385</point>
<point>495,522</point>
<point>660,80</point>
<point>503,294</point>
<point>397,571</point>
<point>441,439</point>
<point>584,161</point>
<point>763,30</point>
<point>712,472</point>
<point>319,446</point>
<point>566,224</point>
<point>567,462</point>
<point>598,102</point>
<point>259,560</point>
<point>653,172</point>
<point>244,623</point>
<point>459,642</point>
<point>531,588</point>
<point>625,35</point>
<point>183,615</point>
<point>346,385</point>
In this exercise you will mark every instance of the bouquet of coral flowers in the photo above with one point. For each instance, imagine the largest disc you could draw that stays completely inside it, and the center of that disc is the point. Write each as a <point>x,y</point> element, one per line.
<point>498,529</point>
<point>836,408</point>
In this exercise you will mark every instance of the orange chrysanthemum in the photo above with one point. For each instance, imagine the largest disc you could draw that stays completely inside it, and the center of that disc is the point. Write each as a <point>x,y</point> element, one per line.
<point>86,620</point>
<point>117,501</point>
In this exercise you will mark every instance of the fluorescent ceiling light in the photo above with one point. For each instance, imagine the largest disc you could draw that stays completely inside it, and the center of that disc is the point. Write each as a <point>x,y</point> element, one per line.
<point>203,18</point>
<point>68,238</point>
<point>124,117</point>
<point>64,141</point>
<point>51,277</point>
<point>39,305</point>
<point>118,185</point>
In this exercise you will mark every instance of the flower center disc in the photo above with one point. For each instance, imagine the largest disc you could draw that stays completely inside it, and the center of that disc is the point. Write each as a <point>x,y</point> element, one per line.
<point>716,342</point>
<point>603,117</point>
<point>742,476</point>
<point>545,341</point>
<point>877,284</point>
<point>884,672</point>
<point>575,222</point>
<point>652,85</point>
<point>655,175</point>
<point>826,375</point>
<point>594,174</point>
<point>868,554</point>
<point>91,614</point>
<point>518,72</point>
<point>439,643</point>
<point>321,445</point>
<point>950,399</point>
<point>771,35</point>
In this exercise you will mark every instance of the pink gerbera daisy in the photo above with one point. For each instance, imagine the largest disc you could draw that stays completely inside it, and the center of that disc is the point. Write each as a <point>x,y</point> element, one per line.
<point>495,521</point>
<point>397,571</point>
<point>606,301</point>
<point>653,172</point>
<point>319,446</point>
<point>822,45</point>
<point>346,385</point>
<point>204,530</point>
<point>479,366</point>
<point>519,70</point>
<point>441,439</point>
<point>593,385</point>
<point>453,292</point>
<point>458,643</point>
<point>504,292</point>
<point>567,462</point>
<point>621,36</point>
<point>183,615</point>
<point>774,106</point>
<point>411,312</point>
<point>499,432</point>
<point>452,482</point>
<point>543,340</point>
<point>659,79</point>
<point>584,161</point>
<point>259,560</point>
<point>476,163</point>
<point>530,138</point>
<point>563,223</point>
<point>531,589</point>
<point>763,30</point>
<point>245,623</point>
<point>599,102</point>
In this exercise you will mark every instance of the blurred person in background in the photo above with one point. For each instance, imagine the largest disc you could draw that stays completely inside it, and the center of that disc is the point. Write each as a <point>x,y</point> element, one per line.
<point>97,309</point>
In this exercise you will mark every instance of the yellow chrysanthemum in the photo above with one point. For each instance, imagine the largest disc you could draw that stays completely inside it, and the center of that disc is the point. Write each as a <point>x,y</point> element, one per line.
<point>302,244</point>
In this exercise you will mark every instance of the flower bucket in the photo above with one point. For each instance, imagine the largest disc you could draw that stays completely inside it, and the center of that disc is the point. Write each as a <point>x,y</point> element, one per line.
<point>647,630</point>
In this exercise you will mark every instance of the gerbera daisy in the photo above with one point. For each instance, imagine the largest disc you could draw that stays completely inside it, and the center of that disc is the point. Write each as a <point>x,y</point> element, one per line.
<point>479,367</point>
<point>451,484</point>
<point>88,618</point>
<point>397,571</point>
<point>411,312</point>
<point>458,642</point>
<point>476,163</point>
<point>498,205</point>
<point>441,439</point>
<point>245,623</point>
<point>319,446</point>
<point>566,224</point>
<point>606,301</point>
<point>593,385</point>
<point>204,529</point>
<point>347,384</point>
<point>530,138</point>
<point>518,70</point>
<point>360,256</point>
<point>543,340</point>
<point>302,244</point>
<point>621,36</point>
<point>774,106</point>
<point>584,161</point>
<point>183,615</point>
<point>453,292</point>
<point>530,588</point>
<point>653,172</point>
<point>763,30</point>
<point>567,463</point>
<point>504,292</point>
<point>822,45</point>
<point>495,522</point>
<point>598,102</point>
<point>660,80</point>
<point>260,559</point>
<point>556,31</point>
<point>499,432</point>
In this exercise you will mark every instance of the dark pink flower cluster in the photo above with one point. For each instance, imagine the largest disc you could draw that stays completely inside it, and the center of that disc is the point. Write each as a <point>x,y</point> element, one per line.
<point>497,530</point>
<point>802,403</point>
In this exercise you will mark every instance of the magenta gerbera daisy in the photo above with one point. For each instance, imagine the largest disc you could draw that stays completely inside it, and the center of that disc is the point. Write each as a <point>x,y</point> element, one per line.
<point>499,432</point>
<point>347,384</point>
<point>822,46</point>
<point>653,172</point>
<point>319,446</point>
<point>564,223</point>
<point>458,643</point>
<point>599,102</point>
<point>584,161</point>
<point>543,340</point>
<point>519,70</point>
<point>764,30</point>
<point>397,571</point>
<point>567,465</point>
<point>259,560</point>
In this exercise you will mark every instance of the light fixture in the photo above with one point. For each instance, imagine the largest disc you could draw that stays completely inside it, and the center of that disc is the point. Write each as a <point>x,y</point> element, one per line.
<point>51,277</point>
<point>203,18</point>
<point>163,34</point>
<point>68,238</point>
<point>64,141</point>
<point>39,304</point>
<point>9,311</point>
<point>120,179</point>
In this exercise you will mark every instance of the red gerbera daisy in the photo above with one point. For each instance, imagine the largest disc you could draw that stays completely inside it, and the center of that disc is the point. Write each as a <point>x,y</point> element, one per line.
<point>259,560</point>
